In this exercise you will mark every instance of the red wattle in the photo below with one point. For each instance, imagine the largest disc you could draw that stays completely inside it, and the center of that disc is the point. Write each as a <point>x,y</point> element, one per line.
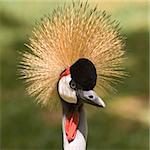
<point>71,125</point>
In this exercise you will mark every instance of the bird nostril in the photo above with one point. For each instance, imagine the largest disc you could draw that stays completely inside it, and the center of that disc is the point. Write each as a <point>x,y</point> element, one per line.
<point>91,96</point>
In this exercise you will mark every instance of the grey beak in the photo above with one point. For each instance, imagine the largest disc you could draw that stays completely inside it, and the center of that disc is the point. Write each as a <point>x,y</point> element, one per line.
<point>90,97</point>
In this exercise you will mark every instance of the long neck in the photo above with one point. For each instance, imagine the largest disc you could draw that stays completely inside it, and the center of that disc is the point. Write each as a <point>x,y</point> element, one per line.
<point>79,143</point>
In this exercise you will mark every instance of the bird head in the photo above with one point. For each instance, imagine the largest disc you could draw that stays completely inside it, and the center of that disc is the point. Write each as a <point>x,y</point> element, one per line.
<point>76,31</point>
<point>77,82</point>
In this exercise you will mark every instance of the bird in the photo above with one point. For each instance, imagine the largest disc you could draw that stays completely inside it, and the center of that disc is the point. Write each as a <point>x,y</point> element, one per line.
<point>74,56</point>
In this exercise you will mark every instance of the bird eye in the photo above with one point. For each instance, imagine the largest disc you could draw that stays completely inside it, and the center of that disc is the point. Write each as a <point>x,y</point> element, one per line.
<point>72,84</point>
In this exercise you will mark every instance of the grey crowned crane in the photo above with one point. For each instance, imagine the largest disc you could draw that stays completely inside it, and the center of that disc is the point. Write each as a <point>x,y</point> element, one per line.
<point>74,54</point>
<point>75,88</point>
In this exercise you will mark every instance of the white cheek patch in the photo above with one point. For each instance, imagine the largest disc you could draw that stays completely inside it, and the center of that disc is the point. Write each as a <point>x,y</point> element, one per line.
<point>65,91</point>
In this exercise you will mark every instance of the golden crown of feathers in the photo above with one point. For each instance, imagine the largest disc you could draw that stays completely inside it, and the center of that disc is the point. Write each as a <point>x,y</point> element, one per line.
<point>72,32</point>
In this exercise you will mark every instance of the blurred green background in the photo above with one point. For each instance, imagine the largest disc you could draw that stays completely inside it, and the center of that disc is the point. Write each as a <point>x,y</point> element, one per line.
<point>123,124</point>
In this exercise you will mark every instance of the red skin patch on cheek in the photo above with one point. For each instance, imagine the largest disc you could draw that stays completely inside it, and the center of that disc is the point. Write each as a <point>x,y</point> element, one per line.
<point>65,73</point>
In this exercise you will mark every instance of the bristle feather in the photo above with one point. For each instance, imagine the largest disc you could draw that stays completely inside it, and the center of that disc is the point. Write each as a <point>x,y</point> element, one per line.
<point>61,39</point>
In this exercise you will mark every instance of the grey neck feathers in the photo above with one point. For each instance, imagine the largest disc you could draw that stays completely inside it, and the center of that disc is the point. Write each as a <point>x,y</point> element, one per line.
<point>79,143</point>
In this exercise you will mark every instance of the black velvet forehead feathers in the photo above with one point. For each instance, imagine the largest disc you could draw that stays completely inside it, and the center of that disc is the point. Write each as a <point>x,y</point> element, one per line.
<point>83,72</point>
